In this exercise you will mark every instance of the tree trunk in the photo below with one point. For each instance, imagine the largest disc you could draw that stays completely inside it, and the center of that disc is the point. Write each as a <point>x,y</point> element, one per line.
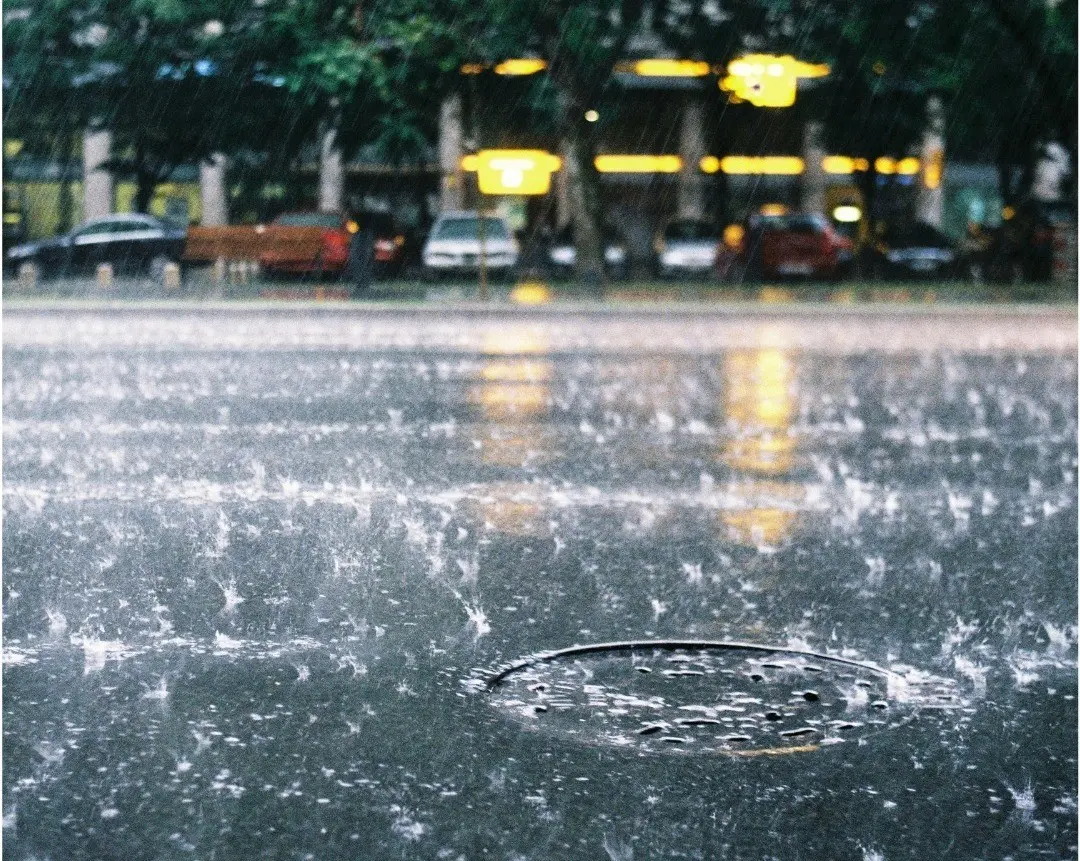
<point>585,204</point>
<point>145,180</point>
<point>65,204</point>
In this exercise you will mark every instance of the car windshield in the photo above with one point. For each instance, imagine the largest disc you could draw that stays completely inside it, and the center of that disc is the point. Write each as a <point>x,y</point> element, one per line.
<point>690,230</point>
<point>469,228</point>
<point>308,219</point>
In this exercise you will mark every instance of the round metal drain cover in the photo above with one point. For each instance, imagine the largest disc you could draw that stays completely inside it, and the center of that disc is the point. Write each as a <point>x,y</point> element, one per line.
<point>738,699</point>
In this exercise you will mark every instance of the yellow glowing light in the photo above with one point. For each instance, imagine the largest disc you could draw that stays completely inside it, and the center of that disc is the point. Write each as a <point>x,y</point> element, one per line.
<point>884,164</point>
<point>709,164</point>
<point>842,164</point>
<point>638,163</point>
<point>352,227</point>
<point>1008,213</point>
<point>591,116</point>
<point>879,68</point>
<point>908,166</point>
<point>933,167</point>
<point>12,147</point>
<point>774,209</point>
<point>733,235</point>
<point>783,165</point>
<point>513,171</point>
<point>526,66</point>
<point>671,68</point>
<point>847,214</point>
<point>471,68</point>
<point>531,293</point>
<point>767,81</point>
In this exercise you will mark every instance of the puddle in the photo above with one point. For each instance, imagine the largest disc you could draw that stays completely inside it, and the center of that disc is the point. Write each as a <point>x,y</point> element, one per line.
<point>729,698</point>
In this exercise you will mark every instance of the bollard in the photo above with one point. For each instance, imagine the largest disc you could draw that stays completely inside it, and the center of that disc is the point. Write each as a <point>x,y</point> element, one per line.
<point>170,277</point>
<point>219,272</point>
<point>104,276</point>
<point>28,276</point>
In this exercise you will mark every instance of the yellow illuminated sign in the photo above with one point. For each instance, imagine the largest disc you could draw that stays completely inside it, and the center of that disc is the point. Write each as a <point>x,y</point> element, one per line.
<point>767,81</point>
<point>638,163</point>
<point>785,165</point>
<point>710,164</point>
<point>884,164</point>
<point>513,171</point>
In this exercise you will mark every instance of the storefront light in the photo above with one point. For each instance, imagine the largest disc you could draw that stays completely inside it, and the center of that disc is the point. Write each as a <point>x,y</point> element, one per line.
<point>777,165</point>
<point>638,163</point>
<point>525,66</point>
<point>661,68</point>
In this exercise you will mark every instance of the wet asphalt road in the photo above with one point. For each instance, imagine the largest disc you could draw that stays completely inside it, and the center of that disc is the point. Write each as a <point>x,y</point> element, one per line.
<point>260,564</point>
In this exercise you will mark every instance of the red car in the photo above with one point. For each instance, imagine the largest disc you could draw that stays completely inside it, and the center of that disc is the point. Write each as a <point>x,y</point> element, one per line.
<point>308,243</point>
<point>777,246</point>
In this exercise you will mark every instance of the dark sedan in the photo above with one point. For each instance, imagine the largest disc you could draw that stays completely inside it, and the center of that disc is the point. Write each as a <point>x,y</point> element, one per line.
<point>913,251</point>
<point>133,244</point>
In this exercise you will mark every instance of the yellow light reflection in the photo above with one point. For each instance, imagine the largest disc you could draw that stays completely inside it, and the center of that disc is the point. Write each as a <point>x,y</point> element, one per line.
<point>513,395</point>
<point>531,293</point>
<point>511,509</point>
<point>759,408</point>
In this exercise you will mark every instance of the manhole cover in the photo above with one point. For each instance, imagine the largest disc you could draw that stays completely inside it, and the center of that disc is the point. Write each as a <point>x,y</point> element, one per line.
<point>731,698</point>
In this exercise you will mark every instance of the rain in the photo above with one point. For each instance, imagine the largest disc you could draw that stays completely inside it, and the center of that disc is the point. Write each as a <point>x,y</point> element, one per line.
<point>539,429</point>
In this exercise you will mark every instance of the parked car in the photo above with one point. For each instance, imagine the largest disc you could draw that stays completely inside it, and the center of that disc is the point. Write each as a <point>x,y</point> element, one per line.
<point>685,247</point>
<point>453,246</point>
<point>562,255</point>
<point>390,242</point>
<point>132,243</point>
<point>327,258</point>
<point>778,246</point>
<point>911,252</point>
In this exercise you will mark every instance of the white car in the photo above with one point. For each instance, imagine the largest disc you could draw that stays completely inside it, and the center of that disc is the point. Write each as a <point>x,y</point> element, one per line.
<point>686,247</point>
<point>562,256</point>
<point>454,245</point>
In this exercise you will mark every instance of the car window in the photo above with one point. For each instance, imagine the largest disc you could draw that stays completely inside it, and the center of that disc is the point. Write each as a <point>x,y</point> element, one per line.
<point>469,228</point>
<point>308,219</point>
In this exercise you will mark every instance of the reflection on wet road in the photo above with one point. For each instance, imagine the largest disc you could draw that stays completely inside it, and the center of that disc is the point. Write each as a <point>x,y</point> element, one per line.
<point>255,564</point>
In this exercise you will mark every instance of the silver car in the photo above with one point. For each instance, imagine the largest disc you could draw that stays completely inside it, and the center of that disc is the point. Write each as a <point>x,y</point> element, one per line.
<point>685,247</point>
<point>457,240</point>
